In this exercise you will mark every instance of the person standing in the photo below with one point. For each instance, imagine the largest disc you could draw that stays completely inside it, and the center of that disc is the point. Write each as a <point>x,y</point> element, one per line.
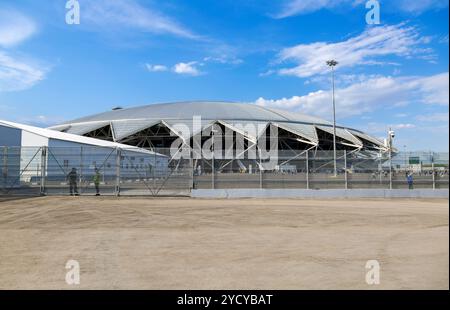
<point>97,178</point>
<point>72,177</point>
<point>410,180</point>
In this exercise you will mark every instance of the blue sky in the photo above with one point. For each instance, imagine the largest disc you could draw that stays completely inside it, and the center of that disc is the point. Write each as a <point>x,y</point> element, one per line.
<point>272,53</point>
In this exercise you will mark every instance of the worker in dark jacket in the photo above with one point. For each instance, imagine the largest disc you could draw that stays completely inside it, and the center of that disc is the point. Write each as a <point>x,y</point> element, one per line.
<point>72,177</point>
<point>410,180</point>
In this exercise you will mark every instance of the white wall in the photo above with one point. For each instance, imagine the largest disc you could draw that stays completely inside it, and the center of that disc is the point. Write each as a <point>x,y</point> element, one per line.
<point>30,161</point>
<point>33,140</point>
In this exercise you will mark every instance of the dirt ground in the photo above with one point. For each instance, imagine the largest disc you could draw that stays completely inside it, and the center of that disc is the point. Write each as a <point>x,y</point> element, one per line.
<point>142,243</point>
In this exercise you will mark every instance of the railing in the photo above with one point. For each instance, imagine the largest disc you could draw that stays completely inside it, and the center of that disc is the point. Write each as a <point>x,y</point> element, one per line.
<point>47,171</point>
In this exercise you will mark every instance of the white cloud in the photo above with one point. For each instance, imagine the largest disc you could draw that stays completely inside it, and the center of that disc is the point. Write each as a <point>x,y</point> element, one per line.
<point>267,73</point>
<point>17,74</point>
<point>15,28</point>
<point>156,68</point>
<point>444,39</point>
<point>224,59</point>
<point>370,95</point>
<point>382,128</point>
<point>434,89</point>
<point>191,68</point>
<point>418,7</point>
<point>310,59</point>
<point>296,7</point>
<point>187,68</point>
<point>129,13</point>
<point>402,126</point>
<point>401,115</point>
<point>299,7</point>
<point>41,120</point>
<point>435,117</point>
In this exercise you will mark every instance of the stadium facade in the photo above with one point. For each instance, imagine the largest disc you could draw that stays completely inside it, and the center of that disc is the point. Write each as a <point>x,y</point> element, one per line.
<point>160,125</point>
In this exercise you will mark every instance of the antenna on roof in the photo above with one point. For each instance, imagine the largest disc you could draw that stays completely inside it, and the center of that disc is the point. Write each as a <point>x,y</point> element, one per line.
<point>117,108</point>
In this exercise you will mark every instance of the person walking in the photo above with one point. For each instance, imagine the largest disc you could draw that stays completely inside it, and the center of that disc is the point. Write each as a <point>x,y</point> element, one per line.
<point>72,177</point>
<point>97,178</point>
<point>410,180</point>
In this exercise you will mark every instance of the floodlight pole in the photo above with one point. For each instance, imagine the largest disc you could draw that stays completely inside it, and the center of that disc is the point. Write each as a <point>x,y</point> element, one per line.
<point>332,63</point>
<point>391,145</point>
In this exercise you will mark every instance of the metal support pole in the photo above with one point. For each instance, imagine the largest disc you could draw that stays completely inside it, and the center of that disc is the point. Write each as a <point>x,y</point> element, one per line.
<point>191,161</point>
<point>432,171</point>
<point>390,169</point>
<point>43,170</point>
<point>118,171</point>
<point>307,169</point>
<point>5,167</point>
<point>332,63</point>
<point>81,169</point>
<point>380,170</point>
<point>334,128</point>
<point>213,185</point>
<point>345,169</point>
<point>153,170</point>
<point>261,185</point>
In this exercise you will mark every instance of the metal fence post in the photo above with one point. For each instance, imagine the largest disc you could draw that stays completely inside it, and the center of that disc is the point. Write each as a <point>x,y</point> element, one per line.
<point>5,167</point>
<point>307,169</point>
<point>345,169</point>
<point>191,162</point>
<point>261,185</point>
<point>154,169</point>
<point>433,173</point>
<point>390,169</point>
<point>118,163</point>
<point>81,169</point>
<point>213,183</point>
<point>381,170</point>
<point>43,169</point>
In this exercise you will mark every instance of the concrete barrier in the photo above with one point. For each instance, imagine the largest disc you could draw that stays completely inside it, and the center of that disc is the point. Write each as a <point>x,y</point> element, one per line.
<point>320,194</point>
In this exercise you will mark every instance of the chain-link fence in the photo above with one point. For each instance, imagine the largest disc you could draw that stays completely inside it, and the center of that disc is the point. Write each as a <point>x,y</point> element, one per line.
<point>91,171</point>
<point>106,171</point>
<point>316,170</point>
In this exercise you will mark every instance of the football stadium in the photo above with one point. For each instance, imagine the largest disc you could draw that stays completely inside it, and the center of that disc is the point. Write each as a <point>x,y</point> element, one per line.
<point>155,126</point>
<point>181,148</point>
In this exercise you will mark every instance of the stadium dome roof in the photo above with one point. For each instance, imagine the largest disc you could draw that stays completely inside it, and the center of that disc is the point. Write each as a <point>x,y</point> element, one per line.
<point>126,122</point>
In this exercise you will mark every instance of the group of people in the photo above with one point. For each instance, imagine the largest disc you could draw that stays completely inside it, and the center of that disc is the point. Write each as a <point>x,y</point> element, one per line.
<point>72,178</point>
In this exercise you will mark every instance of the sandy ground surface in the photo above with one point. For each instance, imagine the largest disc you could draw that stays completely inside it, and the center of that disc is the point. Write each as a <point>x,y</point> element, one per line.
<point>141,243</point>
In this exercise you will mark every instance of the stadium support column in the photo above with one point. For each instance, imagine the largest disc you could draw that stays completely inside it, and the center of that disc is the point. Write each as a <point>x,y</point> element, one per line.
<point>118,163</point>
<point>43,170</point>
